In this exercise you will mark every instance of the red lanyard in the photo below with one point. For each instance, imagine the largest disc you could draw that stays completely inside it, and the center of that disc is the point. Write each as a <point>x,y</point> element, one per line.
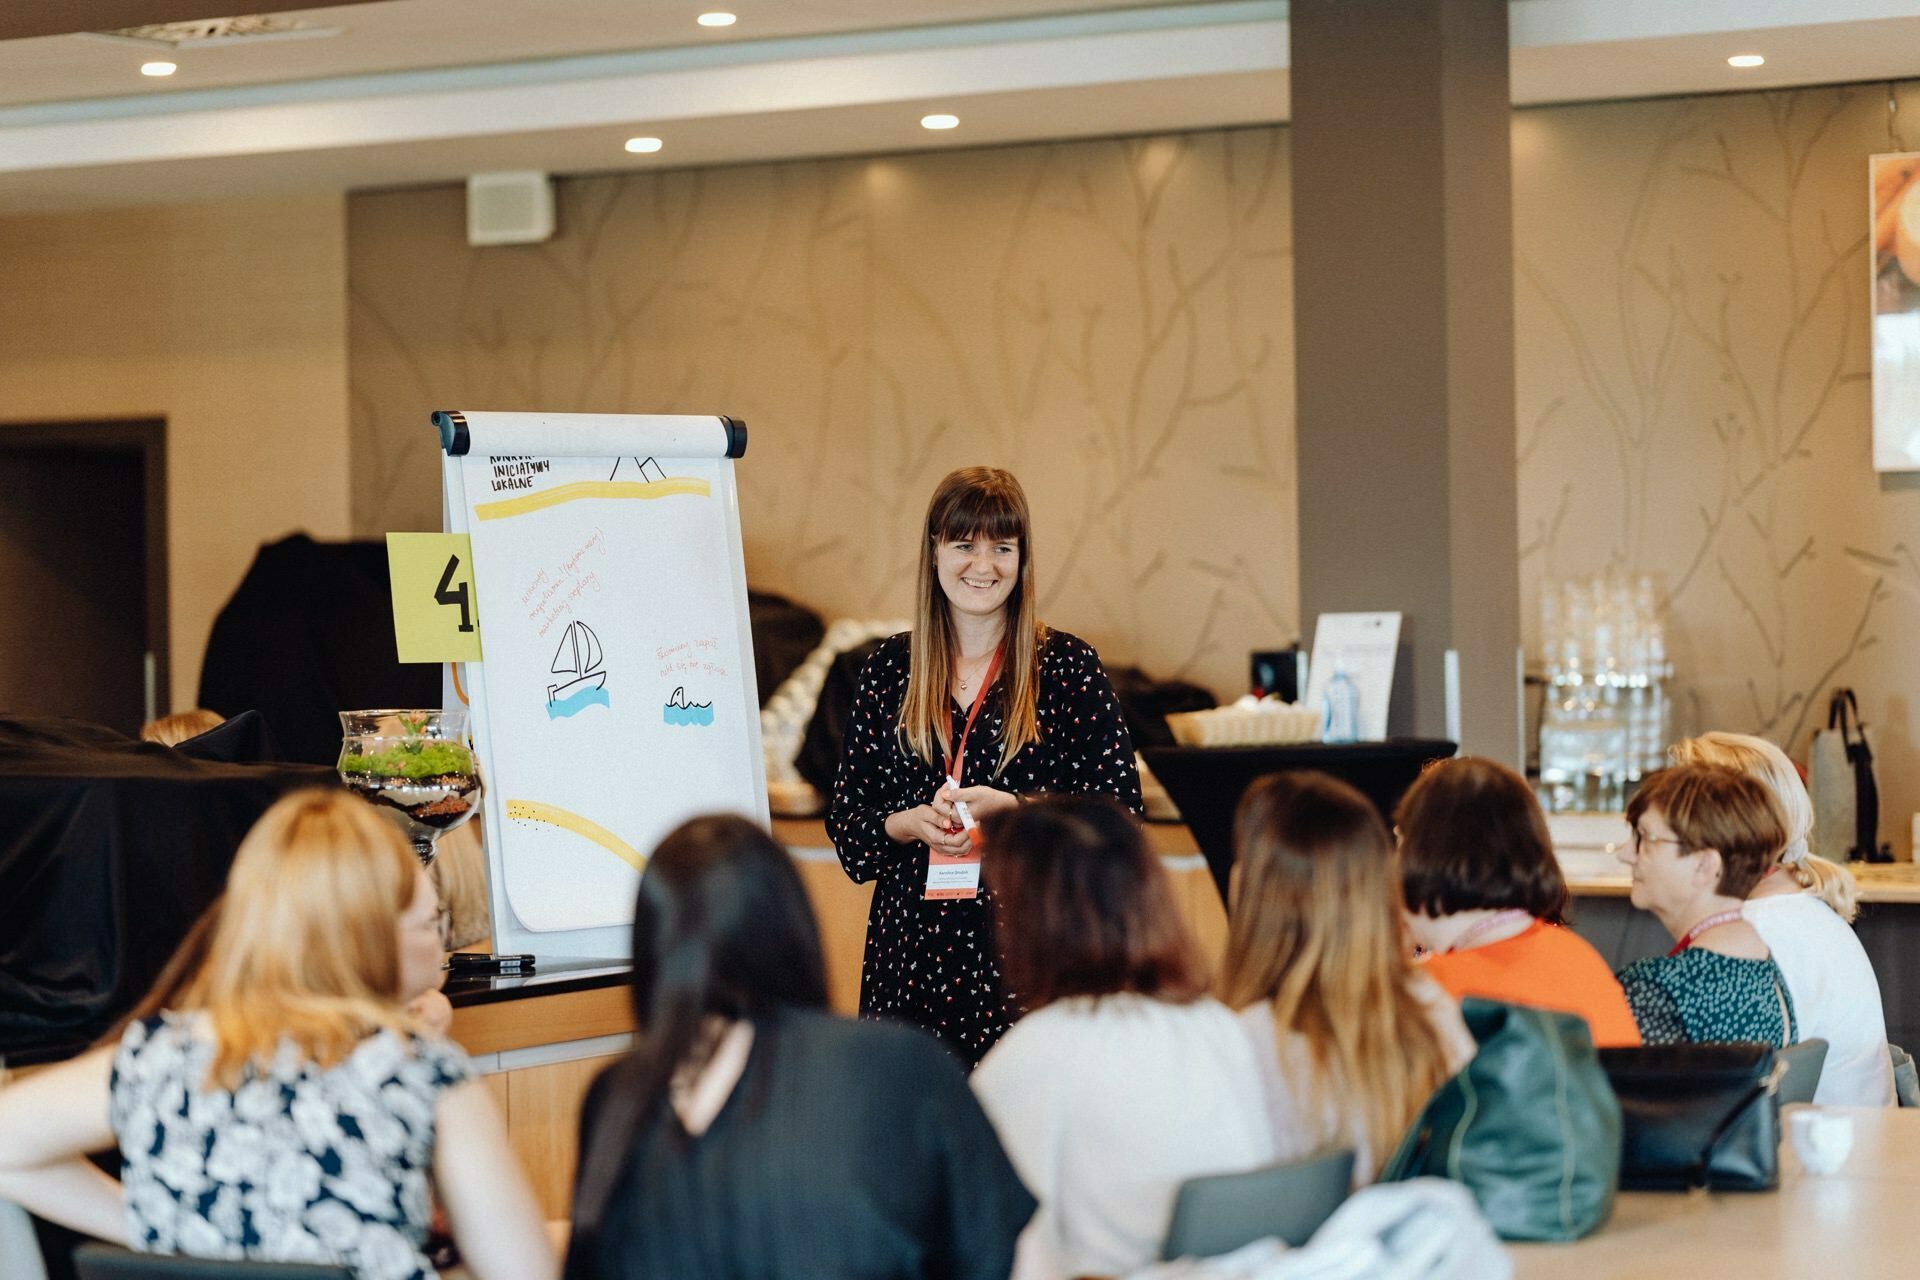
<point>979,700</point>
<point>1713,921</point>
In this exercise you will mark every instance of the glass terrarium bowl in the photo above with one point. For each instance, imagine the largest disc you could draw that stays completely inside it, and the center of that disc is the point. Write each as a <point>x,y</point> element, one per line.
<point>414,766</point>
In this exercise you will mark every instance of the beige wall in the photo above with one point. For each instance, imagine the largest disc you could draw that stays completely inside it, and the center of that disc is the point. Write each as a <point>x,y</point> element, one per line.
<point>1109,319</point>
<point>227,319</point>
<point>1113,320</point>
<point>1693,400</point>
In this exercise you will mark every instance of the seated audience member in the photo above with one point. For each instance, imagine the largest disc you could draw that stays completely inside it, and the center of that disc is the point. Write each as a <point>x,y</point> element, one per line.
<point>1486,900</point>
<point>287,1107</point>
<point>1802,908</point>
<point>1125,1079</point>
<point>1702,838</point>
<point>1351,1036</point>
<point>171,731</point>
<point>751,1133</point>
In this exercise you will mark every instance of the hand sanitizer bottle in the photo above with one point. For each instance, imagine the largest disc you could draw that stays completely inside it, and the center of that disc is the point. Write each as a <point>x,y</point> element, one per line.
<point>1340,707</point>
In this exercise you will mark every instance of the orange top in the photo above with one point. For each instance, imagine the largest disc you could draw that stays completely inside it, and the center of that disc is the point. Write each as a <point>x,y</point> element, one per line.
<point>1547,967</point>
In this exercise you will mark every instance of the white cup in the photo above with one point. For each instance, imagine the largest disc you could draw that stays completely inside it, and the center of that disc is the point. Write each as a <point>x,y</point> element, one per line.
<point>1821,1138</point>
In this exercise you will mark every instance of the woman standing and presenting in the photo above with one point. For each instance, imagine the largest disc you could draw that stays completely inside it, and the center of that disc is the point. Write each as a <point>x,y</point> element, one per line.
<point>983,693</point>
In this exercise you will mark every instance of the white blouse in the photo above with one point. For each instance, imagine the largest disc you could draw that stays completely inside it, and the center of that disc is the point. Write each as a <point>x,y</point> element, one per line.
<point>1836,997</point>
<point>1105,1107</point>
<point>1287,1074</point>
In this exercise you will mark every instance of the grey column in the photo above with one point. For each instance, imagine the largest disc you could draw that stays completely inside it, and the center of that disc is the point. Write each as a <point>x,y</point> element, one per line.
<point>1403,323</point>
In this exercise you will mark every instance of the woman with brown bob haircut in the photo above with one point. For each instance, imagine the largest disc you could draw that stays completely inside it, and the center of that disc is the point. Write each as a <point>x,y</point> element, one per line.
<point>1703,835</point>
<point>1486,901</point>
<point>978,707</point>
<point>1350,1037</point>
<point>1125,1078</point>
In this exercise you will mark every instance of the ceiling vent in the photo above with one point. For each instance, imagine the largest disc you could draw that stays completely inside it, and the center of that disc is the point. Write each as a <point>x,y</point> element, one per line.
<point>509,208</point>
<point>213,33</point>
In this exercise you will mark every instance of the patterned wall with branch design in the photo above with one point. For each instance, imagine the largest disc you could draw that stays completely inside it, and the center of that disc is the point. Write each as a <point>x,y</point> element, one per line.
<point>1114,321</point>
<point>1108,319</point>
<point>1694,400</point>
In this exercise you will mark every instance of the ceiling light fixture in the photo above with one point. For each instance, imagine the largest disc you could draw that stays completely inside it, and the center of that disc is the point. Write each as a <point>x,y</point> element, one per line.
<point>157,68</point>
<point>941,121</point>
<point>1746,60</point>
<point>644,146</point>
<point>715,19</point>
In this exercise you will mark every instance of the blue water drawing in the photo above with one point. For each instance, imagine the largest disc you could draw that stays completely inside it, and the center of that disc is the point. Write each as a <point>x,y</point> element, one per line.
<point>592,696</point>
<point>679,711</point>
<point>578,656</point>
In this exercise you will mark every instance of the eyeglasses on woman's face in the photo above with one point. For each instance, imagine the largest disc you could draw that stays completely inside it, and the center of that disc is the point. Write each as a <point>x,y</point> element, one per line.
<point>1644,839</point>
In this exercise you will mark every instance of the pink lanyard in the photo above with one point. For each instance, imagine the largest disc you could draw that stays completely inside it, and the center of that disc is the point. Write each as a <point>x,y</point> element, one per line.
<point>979,700</point>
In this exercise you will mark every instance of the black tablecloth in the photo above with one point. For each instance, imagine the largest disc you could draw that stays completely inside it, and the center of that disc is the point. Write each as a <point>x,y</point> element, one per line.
<point>109,850</point>
<point>1207,782</point>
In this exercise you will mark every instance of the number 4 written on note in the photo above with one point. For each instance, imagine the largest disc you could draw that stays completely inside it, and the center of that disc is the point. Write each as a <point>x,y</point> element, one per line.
<point>446,596</point>
<point>436,605</point>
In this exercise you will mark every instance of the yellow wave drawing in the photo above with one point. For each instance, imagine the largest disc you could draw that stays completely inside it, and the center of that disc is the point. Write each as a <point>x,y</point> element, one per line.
<point>534,811</point>
<point>670,487</point>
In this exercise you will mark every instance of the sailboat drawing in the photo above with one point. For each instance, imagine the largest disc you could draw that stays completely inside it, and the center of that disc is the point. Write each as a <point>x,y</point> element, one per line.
<point>578,656</point>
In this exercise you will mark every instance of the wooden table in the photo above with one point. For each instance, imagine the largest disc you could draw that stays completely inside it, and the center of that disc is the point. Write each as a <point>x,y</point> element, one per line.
<point>1856,1223</point>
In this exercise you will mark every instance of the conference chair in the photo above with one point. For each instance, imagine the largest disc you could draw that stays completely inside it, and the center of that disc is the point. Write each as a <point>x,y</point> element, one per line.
<point>1223,1212</point>
<point>1803,1062</point>
<point>105,1262</point>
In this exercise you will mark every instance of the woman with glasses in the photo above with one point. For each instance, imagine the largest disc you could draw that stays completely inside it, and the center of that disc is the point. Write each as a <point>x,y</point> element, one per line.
<point>287,1106</point>
<point>1703,836</point>
<point>1804,907</point>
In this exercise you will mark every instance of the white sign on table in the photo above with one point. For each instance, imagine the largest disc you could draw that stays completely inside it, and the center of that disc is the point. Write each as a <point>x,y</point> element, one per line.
<point>1364,646</point>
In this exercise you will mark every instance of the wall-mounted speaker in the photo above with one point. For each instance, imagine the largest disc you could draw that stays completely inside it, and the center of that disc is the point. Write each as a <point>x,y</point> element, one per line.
<point>509,208</point>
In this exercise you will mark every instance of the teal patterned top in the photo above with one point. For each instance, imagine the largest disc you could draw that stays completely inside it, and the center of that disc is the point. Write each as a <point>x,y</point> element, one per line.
<point>1704,996</point>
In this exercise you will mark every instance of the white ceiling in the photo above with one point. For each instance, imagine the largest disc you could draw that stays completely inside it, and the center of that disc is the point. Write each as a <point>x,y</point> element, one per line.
<point>414,91</point>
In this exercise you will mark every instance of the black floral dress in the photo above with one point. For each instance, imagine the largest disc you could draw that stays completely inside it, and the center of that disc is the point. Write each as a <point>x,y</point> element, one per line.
<point>931,963</point>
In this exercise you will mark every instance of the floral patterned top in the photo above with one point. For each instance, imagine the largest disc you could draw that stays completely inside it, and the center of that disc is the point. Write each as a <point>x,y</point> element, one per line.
<point>295,1165</point>
<point>931,963</point>
<point>1706,997</point>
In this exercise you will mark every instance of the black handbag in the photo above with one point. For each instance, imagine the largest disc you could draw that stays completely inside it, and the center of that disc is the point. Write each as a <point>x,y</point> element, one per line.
<point>1529,1126</point>
<point>1697,1115</point>
<point>1843,716</point>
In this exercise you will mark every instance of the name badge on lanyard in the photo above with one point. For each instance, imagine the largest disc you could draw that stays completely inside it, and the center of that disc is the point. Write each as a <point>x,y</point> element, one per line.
<point>957,876</point>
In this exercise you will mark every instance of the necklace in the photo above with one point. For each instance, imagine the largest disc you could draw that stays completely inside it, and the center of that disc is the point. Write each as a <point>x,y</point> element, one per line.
<point>963,681</point>
<point>1712,922</point>
<point>1488,925</point>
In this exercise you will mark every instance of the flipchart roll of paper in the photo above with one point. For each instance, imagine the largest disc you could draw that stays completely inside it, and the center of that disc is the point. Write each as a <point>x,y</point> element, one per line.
<point>477,433</point>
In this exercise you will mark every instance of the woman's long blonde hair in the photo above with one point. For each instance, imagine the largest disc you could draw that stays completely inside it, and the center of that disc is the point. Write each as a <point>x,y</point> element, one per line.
<point>985,504</point>
<point>1832,883</point>
<point>305,949</point>
<point>1316,931</point>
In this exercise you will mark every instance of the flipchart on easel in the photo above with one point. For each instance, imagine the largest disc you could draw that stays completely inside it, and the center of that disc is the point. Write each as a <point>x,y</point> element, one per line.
<point>616,695</point>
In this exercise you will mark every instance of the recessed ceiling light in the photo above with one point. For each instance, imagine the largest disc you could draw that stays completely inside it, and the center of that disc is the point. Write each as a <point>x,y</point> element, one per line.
<point>157,68</point>
<point>715,19</point>
<point>1746,60</point>
<point>940,122</point>
<point>644,146</point>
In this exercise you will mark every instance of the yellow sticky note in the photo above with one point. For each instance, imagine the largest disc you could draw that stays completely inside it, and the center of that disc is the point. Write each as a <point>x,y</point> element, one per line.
<point>436,615</point>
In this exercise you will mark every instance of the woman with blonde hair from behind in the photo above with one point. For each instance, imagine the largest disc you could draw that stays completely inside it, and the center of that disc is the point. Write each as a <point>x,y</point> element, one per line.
<point>288,1107</point>
<point>1802,908</point>
<point>1351,1037</point>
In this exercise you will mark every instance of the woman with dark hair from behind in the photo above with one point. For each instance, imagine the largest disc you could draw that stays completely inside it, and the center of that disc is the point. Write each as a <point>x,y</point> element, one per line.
<point>751,1133</point>
<point>1126,1078</point>
<point>1487,902</point>
<point>1351,1037</point>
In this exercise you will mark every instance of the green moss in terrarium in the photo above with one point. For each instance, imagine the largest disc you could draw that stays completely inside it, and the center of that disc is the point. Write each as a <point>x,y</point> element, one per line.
<point>420,758</point>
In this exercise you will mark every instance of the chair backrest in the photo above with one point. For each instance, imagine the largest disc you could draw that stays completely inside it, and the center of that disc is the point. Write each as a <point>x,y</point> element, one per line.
<point>1804,1062</point>
<point>1906,1079</point>
<point>1221,1213</point>
<point>104,1262</point>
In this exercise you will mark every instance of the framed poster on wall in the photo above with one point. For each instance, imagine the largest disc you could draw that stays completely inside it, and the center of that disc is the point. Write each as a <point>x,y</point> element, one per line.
<point>1893,186</point>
